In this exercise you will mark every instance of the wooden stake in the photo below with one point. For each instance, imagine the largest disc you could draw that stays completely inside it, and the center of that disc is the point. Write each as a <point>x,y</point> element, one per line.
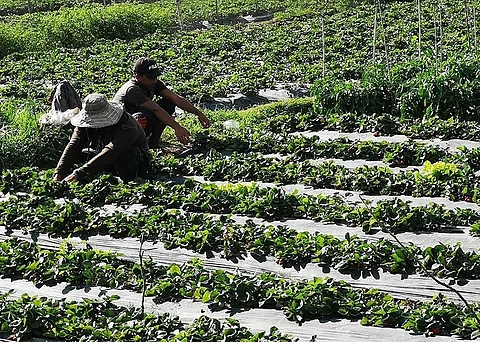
<point>179,13</point>
<point>384,36</point>
<point>374,32</point>
<point>467,20</point>
<point>419,10</point>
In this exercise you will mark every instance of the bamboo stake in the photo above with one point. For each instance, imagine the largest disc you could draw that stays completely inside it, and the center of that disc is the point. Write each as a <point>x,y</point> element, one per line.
<point>179,13</point>
<point>382,24</point>
<point>142,273</point>
<point>419,10</point>
<point>440,24</point>
<point>374,33</point>
<point>467,20</point>
<point>475,41</point>
<point>436,44</point>
<point>323,38</point>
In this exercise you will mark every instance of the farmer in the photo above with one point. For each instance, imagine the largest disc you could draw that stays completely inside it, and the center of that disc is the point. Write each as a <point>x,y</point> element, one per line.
<point>117,140</point>
<point>137,95</point>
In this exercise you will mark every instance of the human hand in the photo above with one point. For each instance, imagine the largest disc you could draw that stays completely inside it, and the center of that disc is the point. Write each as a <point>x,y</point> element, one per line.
<point>56,177</point>
<point>183,135</point>
<point>204,120</point>
<point>70,178</point>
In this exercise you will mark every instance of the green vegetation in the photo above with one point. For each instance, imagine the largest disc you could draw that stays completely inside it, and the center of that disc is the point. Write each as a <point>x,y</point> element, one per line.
<point>203,233</point>
<point>103,320</point>
<point>299,300</point>
<point>23,141</point>
<point>386,67</point>
<point>252,200</point>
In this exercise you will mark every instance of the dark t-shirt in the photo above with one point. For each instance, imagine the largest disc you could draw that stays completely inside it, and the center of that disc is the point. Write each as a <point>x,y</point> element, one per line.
<point>112,142</point>
<point>132,95</point>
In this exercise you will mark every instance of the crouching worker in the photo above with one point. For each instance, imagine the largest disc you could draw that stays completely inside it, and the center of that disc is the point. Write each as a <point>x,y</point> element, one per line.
<point>116,139</point>
<point>138,94</point>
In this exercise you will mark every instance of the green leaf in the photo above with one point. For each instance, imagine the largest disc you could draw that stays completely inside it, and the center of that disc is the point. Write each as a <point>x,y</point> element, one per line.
<point>206,297</point>
<point>174,270</point>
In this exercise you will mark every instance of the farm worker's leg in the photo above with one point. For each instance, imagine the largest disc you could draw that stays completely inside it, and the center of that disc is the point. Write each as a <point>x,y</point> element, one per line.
<point>129,165</point>
<point>155,127</point>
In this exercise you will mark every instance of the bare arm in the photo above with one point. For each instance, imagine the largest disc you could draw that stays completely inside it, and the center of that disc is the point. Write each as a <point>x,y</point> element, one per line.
<point>184,104</point>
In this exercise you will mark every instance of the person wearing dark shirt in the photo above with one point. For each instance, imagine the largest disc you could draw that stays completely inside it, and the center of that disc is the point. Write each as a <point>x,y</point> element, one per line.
<point>138,95</point>
<point>117,141</point>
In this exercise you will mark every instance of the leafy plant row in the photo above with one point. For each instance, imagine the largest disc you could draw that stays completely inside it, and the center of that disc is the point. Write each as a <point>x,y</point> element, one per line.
<point>299,115</point>
<point>191,9</point>
<point>103,320</point>
<point>303,147</point>
<point>437,179</point>
<point>196,63</point>
<point>340,24</point>
<point>447,90</point>
<point>299,300</point>
<point>203,234</point>
<point>76,27</point>
<point>12,7</point>
<point>405,153</point>
<point>36,145</point>
<point>251,200</point>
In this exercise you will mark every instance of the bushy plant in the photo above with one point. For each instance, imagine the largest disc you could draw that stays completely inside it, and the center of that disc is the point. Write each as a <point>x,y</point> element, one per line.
<point>24,141</point>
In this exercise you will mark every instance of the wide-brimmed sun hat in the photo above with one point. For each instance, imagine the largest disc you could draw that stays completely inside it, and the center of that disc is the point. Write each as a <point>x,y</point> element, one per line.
<point>98,112</point>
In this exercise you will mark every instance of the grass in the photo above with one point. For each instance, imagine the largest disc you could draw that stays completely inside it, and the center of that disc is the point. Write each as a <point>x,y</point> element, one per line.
<point>24,141</point>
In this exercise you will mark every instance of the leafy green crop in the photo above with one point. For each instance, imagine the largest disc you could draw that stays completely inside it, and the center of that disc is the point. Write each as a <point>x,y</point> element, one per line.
<point>103,320</point>
<point>299,300</point>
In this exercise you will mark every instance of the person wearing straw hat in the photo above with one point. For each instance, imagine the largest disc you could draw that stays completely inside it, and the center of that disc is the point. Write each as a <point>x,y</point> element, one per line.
<point>117,139</point>
<point>138,93</point>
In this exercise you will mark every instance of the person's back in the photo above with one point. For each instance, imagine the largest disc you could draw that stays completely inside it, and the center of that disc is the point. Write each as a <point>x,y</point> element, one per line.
<point>115,137</point>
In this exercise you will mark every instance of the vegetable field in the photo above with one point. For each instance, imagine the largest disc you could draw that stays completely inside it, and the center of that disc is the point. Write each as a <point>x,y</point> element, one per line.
<point>348,215</point>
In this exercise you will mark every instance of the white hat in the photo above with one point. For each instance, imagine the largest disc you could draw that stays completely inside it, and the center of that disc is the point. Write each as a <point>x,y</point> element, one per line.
<point>98,112</point>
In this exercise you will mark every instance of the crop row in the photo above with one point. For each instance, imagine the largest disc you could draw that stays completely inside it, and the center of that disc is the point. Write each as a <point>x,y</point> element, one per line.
<point>84,25</point>
<point>103,320</point>
<point>299,300</point>
<point>12,7</point>
<point>340,24</point>
<point>203,233</point>
<point>251,200</point>
<point>301,115</point>
<point>445,90</point>
<point>303,147</point>
<point>191,10</point>
<point>432,180</point>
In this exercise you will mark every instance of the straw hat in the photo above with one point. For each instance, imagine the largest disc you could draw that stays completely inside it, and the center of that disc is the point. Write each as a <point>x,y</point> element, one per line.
<point>98,112</point>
